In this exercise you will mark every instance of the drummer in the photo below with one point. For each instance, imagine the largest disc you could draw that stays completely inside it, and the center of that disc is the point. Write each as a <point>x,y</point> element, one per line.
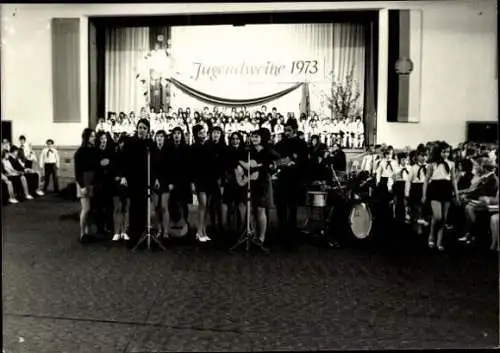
<point>319,173</point>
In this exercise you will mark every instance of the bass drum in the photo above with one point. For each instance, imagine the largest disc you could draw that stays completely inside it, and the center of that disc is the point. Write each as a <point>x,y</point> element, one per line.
<point>360,220</point>
<point>351,222</point>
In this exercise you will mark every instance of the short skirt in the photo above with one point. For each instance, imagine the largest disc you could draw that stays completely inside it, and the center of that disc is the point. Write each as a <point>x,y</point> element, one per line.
<point>181,194</point>
<point>205,185</point>
<point>163,189</point>
<point>398,189</point>
<point>259,195</point>
<point>440,190</point>
<point>382,193</point>
<point>88,194</point>
<point>416,193</point>
<point>233,194</point>
<point>118,190</point>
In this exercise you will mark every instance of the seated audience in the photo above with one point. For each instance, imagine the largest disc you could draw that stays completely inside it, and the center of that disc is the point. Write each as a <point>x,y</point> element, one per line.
<point>478,196</point>
<point>5,145</point>
<point>26,153</point>
<point>10,188</point>
<point>32,176</point>
<point>15,176</point>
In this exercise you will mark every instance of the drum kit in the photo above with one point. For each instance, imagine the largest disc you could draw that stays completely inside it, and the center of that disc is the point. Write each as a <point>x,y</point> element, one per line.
<point>338,208</point>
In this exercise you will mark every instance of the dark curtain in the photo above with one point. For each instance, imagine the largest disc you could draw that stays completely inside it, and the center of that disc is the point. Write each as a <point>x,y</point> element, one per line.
<point>226,102</point>
<point>66,70</point>
<point>100,86</point>
<point>370,96</point>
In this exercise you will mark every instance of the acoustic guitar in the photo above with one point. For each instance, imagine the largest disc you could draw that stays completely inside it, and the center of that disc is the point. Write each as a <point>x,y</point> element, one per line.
<point>178,228</point>
<point>241,172</point>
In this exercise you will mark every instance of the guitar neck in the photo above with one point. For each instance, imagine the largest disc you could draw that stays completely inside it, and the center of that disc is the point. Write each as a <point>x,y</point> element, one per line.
<point>477,185</point>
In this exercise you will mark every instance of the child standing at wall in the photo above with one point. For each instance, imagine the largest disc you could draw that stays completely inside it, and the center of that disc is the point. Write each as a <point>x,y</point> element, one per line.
<point>50,163</point>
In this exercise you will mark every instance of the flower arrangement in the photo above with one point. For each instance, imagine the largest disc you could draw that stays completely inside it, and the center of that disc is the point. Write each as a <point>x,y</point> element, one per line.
<point>343,100</point>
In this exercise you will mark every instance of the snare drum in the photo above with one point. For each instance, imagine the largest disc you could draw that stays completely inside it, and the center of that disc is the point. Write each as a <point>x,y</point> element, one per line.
<point>317,199</point>
<point>493,208</point>
<point>360,220</point>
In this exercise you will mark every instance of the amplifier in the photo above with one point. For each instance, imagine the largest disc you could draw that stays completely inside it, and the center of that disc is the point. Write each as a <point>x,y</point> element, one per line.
<point>482,131</point>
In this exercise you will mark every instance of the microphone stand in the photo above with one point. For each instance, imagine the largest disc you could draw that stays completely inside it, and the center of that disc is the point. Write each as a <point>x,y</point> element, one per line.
<point>248,235</point>
<point>148,236</point>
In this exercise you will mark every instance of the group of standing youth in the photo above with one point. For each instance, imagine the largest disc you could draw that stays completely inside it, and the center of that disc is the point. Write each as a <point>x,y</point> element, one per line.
<point>112,180</point>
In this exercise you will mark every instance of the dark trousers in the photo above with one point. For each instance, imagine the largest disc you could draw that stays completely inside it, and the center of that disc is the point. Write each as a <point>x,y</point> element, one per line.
<point>50,171</point>
<point>400,201</point>
<point>18,188</point>
<point>287,201</point>
<point>103,207</point>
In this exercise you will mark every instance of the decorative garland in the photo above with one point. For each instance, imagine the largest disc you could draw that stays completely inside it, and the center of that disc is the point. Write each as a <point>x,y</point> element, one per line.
<point>228,102</point>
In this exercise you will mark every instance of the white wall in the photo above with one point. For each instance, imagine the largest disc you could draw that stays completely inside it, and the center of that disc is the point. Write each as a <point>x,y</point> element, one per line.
<point>458,75</point>
<point>458,81</point>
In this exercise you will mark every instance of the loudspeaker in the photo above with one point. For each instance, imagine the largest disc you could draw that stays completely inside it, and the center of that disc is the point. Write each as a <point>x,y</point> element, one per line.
<point>7,130</point>
<point>482,131</point>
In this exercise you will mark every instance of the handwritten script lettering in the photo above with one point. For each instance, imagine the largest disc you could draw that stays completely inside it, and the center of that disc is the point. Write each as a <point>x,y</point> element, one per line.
<point>268,68</point>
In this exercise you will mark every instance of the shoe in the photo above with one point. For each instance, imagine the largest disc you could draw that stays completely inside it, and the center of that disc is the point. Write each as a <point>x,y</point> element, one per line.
<point>431,244</point>
<point>116,237</point>
<point>40,193</point>
<point>422,222</point>
<point>448,227</point>
<point>13,201</point>
<point>202,238</point>
<point>29,197</point>
<point>125,237</point>
<point>440,248</point>
<point>465,238</point>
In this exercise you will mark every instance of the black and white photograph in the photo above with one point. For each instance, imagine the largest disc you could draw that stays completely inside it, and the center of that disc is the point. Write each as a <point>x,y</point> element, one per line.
<point>249,176</point>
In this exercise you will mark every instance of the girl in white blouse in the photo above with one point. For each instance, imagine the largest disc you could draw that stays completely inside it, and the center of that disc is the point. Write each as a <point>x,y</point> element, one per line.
<point>440,187</point>
<point>414,188</point>
<point>385,169</point>
<point>401,176</point>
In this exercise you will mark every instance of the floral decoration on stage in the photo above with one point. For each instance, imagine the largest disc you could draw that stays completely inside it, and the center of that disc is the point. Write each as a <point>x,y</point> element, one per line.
<point>343,97</point>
